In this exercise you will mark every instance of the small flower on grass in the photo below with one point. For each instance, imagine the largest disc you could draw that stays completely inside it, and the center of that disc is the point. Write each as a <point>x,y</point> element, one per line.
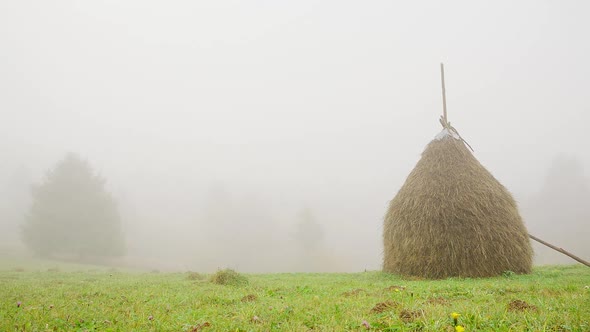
<point>18,304</point>
<point>255,319</point>
<point>455,316</point>
<point>366,324</point>
<point>459,328</point>
<point>151,317</point>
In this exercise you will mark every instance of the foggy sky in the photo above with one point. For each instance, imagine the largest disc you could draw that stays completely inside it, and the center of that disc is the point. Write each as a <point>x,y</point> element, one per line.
<point>321,105</point>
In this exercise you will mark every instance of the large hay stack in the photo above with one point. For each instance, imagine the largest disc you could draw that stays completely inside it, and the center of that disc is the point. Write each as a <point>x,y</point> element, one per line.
<point>453,218</point>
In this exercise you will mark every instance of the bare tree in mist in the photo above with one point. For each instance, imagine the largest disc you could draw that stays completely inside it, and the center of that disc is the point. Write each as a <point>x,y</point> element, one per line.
<point>560,212</point>
<point>72,214</point>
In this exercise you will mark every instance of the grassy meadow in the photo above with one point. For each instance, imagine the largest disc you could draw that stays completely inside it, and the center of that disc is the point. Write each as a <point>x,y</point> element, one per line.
<point>67,297</point>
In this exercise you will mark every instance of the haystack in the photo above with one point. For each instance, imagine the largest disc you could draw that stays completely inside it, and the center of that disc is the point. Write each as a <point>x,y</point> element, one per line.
<point>452,218</point>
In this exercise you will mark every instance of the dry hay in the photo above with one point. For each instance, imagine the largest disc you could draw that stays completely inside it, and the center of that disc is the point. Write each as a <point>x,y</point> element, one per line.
<point>520,305</point>
<point>452,218</point>
<point>384,306</point>
<point>249,298</point>
<point>408,316</point>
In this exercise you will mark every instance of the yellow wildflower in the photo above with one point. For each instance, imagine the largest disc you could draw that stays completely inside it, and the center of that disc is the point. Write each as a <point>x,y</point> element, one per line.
<point>459,328</point>
<point>455,315</point>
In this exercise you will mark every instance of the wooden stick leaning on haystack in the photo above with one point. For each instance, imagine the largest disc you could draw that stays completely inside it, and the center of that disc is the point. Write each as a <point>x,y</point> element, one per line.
<point>561,250</point>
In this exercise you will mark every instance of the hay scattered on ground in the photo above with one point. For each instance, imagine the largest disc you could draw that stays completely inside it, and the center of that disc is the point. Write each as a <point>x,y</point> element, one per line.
<point>384,306</point>
<point>408,316</point>
<point>519,305</point>
<point>249,298</point>
<point>452,218</point>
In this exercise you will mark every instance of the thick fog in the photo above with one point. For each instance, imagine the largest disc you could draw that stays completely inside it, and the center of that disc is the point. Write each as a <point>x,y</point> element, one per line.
<point>269,136</point>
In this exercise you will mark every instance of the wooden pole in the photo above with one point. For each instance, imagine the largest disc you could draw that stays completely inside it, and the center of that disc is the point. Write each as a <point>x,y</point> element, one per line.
<point>560,250</point>
<point>444,95</point>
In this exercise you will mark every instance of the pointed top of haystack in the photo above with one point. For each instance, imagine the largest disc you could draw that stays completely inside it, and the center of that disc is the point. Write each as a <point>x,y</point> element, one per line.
<point>447,133</point>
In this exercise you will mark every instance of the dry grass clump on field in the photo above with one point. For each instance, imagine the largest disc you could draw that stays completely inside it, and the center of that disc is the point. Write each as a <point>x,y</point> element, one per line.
<point>228,277</point>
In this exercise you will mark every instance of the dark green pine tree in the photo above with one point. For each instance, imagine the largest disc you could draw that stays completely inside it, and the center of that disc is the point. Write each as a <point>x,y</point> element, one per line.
<point>72,214</point>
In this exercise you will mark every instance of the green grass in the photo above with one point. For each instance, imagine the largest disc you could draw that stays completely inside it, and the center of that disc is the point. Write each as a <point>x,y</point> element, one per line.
<point>78,299</point>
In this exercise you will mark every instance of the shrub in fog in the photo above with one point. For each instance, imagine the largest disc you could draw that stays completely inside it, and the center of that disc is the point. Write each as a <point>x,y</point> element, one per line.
<point>228,277</point>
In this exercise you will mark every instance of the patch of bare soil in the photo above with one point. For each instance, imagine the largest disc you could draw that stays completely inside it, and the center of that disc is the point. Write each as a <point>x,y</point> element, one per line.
<point>408,316</point>
<point>519,305</point>
<point>384,306</point>
<point>249,298</point>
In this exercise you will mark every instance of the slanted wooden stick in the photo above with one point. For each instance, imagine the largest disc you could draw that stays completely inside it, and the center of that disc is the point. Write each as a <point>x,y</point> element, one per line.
<point>444,95</point>
<point>561,250</point>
